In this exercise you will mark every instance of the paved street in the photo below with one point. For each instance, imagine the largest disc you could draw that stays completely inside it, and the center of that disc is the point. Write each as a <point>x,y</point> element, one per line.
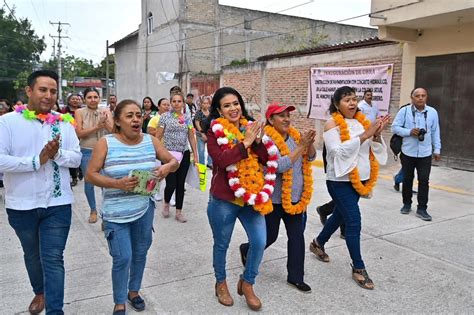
<point>417,266</point>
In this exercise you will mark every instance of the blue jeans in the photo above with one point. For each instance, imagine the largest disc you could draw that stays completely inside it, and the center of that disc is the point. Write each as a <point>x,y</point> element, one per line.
<point>222,215</point>
<point>201,147</point>
<point>346,211</point>
<point>43,233</point>
<point>399,177</point>
<point>88,187</point>
<point>128,245</point>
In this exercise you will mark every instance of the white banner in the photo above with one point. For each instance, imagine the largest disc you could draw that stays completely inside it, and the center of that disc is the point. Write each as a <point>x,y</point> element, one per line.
<point>324,81</point>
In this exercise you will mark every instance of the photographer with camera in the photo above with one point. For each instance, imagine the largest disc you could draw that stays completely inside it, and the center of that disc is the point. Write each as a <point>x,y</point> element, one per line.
<point>418,124</point>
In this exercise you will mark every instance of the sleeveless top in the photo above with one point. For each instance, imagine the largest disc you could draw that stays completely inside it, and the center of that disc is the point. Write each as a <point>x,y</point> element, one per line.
<point>120,206</point>
<point>90,119</point>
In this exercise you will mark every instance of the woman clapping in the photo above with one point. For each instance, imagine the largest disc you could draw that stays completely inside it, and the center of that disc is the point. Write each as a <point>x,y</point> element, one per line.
<point>354,147</point>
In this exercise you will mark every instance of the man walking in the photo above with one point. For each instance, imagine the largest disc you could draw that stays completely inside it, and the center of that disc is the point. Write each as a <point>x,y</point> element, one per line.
<point>368,108</point>
<point>418,124</point>
<point>37,148</point>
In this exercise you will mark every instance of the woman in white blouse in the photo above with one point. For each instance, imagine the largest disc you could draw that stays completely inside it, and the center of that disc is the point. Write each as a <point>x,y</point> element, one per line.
<point>354,146</point>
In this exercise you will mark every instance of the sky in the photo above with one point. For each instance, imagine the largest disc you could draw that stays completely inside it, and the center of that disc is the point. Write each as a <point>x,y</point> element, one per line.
<point>92,22</point>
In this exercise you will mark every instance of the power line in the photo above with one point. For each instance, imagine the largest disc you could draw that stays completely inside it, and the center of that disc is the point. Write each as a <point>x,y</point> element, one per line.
<point>230,26</point>
<point>273,35</point>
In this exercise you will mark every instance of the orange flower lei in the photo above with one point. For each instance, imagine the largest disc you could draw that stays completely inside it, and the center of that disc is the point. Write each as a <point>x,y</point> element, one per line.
<point>354,176</point>
<point>287,178</point>
<point>246,178</point>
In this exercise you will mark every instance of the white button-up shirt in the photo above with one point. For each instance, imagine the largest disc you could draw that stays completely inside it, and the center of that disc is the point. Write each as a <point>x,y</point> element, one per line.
<point>29,185</point>
<point>371,112</point>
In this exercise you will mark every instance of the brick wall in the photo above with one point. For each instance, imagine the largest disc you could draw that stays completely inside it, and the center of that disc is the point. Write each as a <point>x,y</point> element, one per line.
<point>289,84</point>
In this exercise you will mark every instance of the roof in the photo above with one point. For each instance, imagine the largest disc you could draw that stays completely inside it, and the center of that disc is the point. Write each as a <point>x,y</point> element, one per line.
<point>367,42</point>
<point>132,34</point>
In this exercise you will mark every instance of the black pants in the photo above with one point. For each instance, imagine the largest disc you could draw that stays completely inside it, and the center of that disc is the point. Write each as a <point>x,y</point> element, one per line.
<point>176,181</point>
<point>327,209</point>
<point>423,169</point>
<point>295,226</point>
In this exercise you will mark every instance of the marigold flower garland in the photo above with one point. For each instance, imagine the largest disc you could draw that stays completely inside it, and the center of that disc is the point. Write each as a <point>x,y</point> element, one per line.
<point>354,176</point>
<point>49,118</point>
<point>246,178</point>
<point>287,177</point>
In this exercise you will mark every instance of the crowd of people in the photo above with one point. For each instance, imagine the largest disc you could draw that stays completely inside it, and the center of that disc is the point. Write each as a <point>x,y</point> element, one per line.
<point>261,175</point>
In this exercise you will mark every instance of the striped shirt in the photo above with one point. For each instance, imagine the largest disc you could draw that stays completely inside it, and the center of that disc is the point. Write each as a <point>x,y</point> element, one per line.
<point>120,206</point>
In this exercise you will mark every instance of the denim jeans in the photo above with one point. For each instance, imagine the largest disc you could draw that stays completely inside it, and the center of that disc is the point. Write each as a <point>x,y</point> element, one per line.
<point>128,245</point>
<point>222,215</point>
<point>399,176</point>
<point>295,226</point>
<point>423,170</point>
<point>201,147</point>
<point>43,233</point>
<point>88,187</point>
<point>347,212</point>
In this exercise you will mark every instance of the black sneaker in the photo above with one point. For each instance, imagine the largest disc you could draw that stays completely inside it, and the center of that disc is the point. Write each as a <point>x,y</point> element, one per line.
<point>322,217</point>
<point>406,209</point>
<point>303,287</point>
<point>396,185</point>
<point>137,303</point>
<point>119,312</point>
<point>243,254</point>
<point>423,214</point>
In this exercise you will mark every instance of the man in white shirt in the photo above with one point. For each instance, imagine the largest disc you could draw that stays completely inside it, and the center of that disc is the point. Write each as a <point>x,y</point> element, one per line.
<point>37,148</point>
<point>368,108</point>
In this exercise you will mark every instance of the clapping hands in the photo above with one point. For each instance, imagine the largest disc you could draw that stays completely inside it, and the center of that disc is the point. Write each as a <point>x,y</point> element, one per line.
<point>49,150</point>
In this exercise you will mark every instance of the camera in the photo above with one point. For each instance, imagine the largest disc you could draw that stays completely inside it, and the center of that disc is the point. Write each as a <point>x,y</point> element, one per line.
<point>421,134</point>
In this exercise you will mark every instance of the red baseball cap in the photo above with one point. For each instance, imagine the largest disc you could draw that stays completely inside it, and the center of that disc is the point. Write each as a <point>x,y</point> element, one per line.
<point>276,108</point>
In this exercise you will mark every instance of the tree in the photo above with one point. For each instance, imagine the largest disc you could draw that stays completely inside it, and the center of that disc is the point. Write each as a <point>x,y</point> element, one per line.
<point>101,69</point>
<point>20,50</point>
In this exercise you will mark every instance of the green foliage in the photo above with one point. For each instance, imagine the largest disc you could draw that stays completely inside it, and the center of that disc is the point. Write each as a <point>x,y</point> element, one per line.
<point>20,50</point>
<point>237,62</point>
<point>303,41</point>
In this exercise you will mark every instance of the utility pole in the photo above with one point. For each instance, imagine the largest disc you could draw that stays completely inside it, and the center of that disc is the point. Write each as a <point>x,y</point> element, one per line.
<point>107,89</point>
<point>54,46</point>
<point>59,37</point>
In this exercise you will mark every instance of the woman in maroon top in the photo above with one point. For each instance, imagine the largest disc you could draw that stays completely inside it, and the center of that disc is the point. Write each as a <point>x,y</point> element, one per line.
<point>224,208</point>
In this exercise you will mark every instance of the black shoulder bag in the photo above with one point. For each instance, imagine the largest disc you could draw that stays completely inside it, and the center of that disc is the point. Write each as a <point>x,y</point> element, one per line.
<point>396,140</point>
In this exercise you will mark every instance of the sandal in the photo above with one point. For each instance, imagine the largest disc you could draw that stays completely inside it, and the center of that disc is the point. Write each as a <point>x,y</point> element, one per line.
<point>318,251</point>
<point>166,210</point>
<point>361,277</point>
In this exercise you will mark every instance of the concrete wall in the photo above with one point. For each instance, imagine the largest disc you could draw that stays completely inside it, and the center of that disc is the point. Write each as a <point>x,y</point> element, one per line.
<point>199,26</point>
<point>286,80</point>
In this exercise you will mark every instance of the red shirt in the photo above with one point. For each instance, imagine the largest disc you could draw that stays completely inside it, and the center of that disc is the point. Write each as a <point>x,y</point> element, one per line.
<point>221,159</point>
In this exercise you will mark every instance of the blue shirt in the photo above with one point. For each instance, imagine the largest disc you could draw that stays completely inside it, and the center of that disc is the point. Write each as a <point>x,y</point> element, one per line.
<point>408,118</point>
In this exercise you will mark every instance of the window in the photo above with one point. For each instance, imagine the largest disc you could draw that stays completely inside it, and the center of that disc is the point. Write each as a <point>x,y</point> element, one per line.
<point>247,23</point>
<point>149,24</point>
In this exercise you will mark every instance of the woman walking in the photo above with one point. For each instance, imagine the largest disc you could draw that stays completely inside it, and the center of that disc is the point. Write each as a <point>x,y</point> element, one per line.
<point>239,189</point>
<point>354,147</point>
<point>128,216</point>
<point>199,118</point>
<point>92,124</point>
<point>293,190</point>
<point>176,129</point>
<point>149,110</point>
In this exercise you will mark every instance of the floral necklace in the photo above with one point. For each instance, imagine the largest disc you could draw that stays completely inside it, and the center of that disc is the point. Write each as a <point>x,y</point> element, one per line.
<point>182,120</point>
<point>354,176</point>
<point>287,178</point>
<point>49,118</point>
<point>246,178</point>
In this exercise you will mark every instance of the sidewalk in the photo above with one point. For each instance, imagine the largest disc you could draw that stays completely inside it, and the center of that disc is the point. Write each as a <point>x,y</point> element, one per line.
<point>417,266</point>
